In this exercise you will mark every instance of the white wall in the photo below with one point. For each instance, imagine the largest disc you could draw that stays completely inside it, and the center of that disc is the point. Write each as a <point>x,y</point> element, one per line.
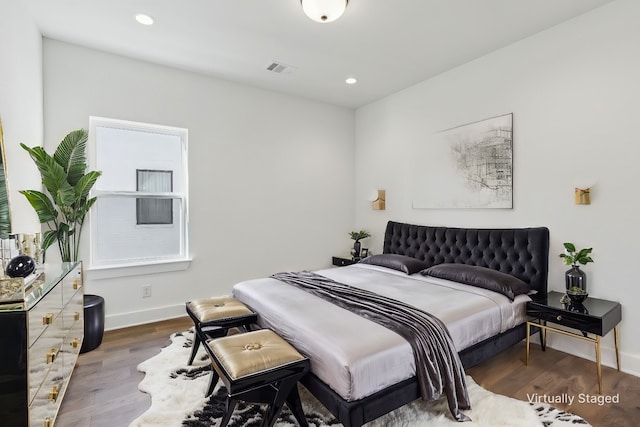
<point>271,176</point>
<point>20,106</point>
<point>573,91</point>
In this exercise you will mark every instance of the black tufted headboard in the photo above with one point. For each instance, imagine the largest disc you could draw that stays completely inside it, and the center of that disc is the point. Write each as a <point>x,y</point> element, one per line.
<point>520,252</point>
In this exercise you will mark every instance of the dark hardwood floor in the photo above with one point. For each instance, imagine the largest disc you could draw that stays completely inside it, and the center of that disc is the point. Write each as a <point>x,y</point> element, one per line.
<point>554,373</point>
<point>103,391</point>
<point>104,387</point>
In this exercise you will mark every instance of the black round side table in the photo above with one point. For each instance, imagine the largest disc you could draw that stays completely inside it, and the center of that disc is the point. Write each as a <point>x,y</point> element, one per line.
<point>93,322</point>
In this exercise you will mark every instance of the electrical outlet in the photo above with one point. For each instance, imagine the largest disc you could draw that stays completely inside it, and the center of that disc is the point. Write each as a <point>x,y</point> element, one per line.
<point>146,291</point>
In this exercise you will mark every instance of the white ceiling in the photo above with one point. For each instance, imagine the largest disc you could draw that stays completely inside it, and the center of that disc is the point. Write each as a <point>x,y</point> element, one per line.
<point>387,44</point>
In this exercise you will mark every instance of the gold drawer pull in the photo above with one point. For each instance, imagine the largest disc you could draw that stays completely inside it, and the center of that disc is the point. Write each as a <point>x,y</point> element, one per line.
<point>47,422</point>
<point>77,284</point>
<point>75,343</point>
<point>76,316</point>
<point>51,355</point>
<point>47,319</point>
<point>559,317</point>
<point>53,394</point>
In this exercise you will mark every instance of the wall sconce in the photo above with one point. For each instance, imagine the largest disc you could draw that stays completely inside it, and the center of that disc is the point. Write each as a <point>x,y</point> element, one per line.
<point>379,203</point>
<point>582,196</point>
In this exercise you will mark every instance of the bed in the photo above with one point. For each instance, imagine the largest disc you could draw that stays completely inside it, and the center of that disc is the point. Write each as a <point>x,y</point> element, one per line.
<point>361,370</point>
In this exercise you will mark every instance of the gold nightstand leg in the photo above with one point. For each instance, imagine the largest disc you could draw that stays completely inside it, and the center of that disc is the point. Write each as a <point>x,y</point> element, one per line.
<point>615,341</point>
<point>526,357</point>
<point>598,364</point>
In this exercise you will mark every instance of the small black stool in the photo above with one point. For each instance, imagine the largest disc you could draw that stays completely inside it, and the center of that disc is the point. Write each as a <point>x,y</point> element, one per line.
<point>261,367</point>
<point>213,317</point>
<point>93,322</point>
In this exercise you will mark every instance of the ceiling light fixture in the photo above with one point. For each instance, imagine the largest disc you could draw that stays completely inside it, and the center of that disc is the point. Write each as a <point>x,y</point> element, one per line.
<point>144,19</point>
<point>351,80</point>
<point>324,10</point>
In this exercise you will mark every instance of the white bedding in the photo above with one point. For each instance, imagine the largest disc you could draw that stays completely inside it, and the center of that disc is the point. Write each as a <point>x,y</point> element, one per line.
<point>357,357</point>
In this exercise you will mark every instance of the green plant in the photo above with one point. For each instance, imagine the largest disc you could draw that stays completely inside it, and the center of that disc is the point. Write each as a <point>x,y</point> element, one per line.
<point>576,290</point>
<point>359,235</point>
<point>67,203</point>
<point>573,257</point>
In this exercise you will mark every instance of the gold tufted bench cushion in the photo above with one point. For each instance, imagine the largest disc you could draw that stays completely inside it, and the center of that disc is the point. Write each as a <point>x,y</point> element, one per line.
<point>215,308</point>
<point>253,352</point>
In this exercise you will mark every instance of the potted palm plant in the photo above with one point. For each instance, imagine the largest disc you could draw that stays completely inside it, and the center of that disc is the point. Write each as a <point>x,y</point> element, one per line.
<point>66,202</point>
<point>357,236</point>
<point>575,278</point>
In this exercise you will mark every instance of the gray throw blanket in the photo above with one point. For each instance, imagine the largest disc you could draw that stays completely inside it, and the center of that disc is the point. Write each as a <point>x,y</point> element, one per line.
<point>438,366</point>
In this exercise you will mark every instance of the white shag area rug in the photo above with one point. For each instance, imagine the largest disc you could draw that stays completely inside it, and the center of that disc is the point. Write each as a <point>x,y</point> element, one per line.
<point>177,399</point>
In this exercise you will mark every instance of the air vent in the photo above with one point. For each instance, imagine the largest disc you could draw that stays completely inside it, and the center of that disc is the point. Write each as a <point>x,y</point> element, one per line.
<point>280,68</point>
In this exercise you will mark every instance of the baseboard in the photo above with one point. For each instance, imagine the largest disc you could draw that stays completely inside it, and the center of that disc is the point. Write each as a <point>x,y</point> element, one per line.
<point>125,320</point>
<point>629,363</point>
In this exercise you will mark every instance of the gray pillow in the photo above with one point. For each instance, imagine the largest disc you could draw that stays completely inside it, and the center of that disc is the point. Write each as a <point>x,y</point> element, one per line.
<point>402,263</point>
<point>480,277</point>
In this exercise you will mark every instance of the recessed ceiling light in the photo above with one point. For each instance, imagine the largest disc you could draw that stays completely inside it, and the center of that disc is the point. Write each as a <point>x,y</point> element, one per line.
<point>144,19</point>
<point>351,80</point>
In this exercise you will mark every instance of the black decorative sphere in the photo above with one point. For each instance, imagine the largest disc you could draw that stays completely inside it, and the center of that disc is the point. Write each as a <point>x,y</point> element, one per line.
<point>21,266</point>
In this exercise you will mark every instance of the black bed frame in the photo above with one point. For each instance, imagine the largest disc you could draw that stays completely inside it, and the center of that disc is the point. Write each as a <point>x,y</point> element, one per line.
<point>520,252</point>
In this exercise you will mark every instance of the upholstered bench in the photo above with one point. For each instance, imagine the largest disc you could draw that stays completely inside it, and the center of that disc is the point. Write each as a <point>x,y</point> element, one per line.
<point>261,367</point>
<point>213,317</point>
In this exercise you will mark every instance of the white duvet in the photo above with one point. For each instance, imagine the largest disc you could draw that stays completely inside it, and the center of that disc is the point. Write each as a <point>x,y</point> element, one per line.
<point>357,357</point>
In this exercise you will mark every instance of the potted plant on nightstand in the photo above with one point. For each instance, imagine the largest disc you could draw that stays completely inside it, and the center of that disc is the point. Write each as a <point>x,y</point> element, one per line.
<point>357,236</point>
<point>575,277</point>
<point>67,203</point>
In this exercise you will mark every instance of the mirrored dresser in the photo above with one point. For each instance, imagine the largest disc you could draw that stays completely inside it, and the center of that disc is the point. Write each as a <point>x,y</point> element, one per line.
<point>41,332</point>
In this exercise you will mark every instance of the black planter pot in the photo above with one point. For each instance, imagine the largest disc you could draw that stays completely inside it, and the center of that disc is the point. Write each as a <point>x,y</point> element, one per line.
<point>574,277</point>
<point>356,249</point>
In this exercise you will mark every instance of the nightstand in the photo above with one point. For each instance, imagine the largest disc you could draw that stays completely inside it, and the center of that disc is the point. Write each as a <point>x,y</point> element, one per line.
<point>341,262</point>
<point>595,316</point>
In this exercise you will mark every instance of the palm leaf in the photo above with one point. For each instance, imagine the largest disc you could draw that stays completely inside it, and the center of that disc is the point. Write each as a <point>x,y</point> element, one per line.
<point>70,154</point>
<point>42,204</point>
<point>84,209</point>
<point>84,185</point>
<point>65,196</point>
<point>49,237</point>
<point>53,175</point>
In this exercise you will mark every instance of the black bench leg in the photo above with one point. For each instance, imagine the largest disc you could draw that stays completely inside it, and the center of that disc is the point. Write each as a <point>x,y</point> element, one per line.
<point>196,345</point>
<point>295,404</point>
<point>203,335</point>
<point>274,408</point>
<point>228,411</point>
<point>213,380</point>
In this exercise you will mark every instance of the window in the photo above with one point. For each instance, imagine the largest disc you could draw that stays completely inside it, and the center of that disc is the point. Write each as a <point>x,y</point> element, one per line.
<point>154,211</point>
<point>140,217</point>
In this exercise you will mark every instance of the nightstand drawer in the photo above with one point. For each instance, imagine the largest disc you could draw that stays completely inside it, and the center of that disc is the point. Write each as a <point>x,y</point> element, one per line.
<point>341,262</point>
<point>570,319</point>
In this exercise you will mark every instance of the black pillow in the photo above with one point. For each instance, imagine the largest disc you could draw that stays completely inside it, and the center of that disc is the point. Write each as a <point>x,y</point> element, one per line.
<point>480,277</point>
<point>402,263</point>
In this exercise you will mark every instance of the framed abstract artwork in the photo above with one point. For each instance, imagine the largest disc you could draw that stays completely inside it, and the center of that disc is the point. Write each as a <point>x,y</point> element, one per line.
<point>468,166</point>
